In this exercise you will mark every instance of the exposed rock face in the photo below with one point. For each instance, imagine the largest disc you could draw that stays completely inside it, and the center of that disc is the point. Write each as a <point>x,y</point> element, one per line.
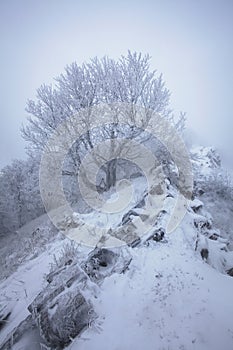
<point>230,272</point>
<point>204,253</point>
<point>131,214</point>
<point>4,314</point>
<point>127,217</point>
<point>157,235</point>
<point>196,205</point>
<point>214,237</point>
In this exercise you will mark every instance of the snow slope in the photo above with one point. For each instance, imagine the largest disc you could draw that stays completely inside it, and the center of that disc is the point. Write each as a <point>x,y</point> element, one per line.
<point>21,288</point>
<point>169,299</point>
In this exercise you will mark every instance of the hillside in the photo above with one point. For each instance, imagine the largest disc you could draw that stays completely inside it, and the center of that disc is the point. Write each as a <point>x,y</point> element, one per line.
<point>136,288</point>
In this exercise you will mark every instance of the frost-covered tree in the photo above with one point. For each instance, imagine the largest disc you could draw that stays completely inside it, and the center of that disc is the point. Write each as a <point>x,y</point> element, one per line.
<point>12,196</point>
<point>20,199</point>
<point>128,80</point>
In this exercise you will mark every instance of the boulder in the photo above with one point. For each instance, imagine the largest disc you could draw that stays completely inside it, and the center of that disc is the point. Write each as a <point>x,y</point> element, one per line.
<point>157,190</point>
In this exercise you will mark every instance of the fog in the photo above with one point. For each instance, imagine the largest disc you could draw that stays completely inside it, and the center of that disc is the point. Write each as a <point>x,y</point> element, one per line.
<point>189,42</point>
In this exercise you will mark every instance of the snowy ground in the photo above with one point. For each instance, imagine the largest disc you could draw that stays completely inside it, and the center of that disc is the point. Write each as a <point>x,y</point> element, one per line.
<point>25,244</point>
<point>21,288</point>
<point>169,299</point>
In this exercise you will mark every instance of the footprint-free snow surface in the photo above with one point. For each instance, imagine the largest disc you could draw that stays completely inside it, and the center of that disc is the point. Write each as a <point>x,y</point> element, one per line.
<point>168,299</point>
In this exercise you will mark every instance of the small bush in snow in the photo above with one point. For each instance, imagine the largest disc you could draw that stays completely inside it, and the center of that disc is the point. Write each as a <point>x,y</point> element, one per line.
<point>68,253</point>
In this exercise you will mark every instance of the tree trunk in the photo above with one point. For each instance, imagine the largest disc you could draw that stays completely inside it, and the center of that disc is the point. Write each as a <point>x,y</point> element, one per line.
<point>111,174</point>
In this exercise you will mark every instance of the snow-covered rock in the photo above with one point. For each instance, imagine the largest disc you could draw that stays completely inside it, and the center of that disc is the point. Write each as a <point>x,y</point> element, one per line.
<point>102,263</point>
<point>196,204</point>
<point>60,310</point>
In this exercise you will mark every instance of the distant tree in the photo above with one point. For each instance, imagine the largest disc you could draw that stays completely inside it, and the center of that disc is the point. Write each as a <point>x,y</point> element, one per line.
<point>11,187</point>
<point>20,199</point>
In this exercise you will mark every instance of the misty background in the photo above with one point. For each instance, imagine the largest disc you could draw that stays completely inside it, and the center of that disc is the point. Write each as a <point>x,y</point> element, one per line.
<point>189,42</point>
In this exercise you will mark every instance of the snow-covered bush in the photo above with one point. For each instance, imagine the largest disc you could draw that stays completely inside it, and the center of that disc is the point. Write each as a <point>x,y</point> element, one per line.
<point>214,186</point>
<point>24,245</point>
<point>68,253</point>
<point>206,239</point>
<point>219,184</point>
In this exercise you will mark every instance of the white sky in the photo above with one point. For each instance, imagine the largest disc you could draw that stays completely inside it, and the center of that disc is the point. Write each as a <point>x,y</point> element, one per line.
<point>191,43</point>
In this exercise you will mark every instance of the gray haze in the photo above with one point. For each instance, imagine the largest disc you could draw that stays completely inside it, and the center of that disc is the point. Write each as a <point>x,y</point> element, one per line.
<point>190,43</point>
